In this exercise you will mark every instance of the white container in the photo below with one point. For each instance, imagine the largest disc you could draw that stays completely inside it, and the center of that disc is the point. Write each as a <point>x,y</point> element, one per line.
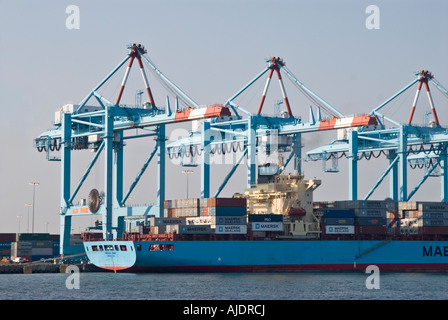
<point>340,229</point>
<point>188,229</point>
<point>231,229</point>
<point>215,220</point>
<point>267,226</point>
<point>166,221</point>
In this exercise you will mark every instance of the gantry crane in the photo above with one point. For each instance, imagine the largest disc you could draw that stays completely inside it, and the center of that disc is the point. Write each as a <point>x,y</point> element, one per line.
<point>100,128</point>
<point>405,144</point>
<point>227,127</point>
<point>257,133</point>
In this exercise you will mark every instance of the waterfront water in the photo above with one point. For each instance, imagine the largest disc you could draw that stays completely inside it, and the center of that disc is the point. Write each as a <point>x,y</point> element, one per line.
<point>225,286</point>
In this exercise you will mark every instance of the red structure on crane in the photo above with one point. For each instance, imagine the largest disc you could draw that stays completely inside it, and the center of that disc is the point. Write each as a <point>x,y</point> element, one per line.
<point>136,50</point>
<point>276,63</point>
<point>425,75</point>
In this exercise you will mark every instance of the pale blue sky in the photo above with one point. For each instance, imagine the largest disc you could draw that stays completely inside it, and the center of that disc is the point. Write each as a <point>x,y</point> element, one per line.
<point>210,49</point>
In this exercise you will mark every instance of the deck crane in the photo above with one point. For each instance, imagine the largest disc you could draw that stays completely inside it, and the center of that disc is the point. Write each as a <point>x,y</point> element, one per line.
<point>257,132</point>
<point>101,129</point>
<point>404,144</point>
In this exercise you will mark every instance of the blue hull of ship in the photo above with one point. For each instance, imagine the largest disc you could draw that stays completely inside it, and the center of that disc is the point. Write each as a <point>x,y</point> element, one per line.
<point>274,255</point>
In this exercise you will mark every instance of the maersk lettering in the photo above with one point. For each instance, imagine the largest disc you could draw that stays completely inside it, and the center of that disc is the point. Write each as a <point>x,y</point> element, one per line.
<point>436,251</point>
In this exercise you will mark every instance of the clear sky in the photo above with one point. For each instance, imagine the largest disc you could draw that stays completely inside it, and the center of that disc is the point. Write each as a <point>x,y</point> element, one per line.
<point>210,49</point>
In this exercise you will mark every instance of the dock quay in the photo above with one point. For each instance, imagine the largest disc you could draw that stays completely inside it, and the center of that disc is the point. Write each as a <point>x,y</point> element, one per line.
<point>45,267</point>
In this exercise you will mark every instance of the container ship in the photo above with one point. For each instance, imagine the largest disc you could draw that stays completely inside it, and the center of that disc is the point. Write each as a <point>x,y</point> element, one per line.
<point>276,226</point>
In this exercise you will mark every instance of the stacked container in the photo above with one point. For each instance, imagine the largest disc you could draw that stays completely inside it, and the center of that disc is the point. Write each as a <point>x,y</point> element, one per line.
<point>338,221</point>
<point>203,215</point>
<point>424,218</point>
<point>262,225</point>
<point>181,208</point>
<point>205,207</point>
<point>360,217</point>
<point>33,246</point>
<point>371,217</point>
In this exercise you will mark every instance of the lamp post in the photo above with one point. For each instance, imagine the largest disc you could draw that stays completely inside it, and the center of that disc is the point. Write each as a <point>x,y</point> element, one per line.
<point>19,218</point>
<point>34,184</point>
<point>187,172</point>
<point>28,217</point>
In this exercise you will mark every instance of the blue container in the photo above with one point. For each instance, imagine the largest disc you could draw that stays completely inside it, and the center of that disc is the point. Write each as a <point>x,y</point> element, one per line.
<point>371,221</point>
<point>5,248</point>
<point>338,213</point>
<point>227,211</point>
<point>265,218</point>
<point>339,221</point>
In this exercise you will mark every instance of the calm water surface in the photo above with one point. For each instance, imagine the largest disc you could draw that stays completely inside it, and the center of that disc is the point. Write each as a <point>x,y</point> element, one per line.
<point>224,286</point>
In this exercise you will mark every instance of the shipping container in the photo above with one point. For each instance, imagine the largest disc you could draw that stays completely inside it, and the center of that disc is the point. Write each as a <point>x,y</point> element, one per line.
<point>188,229</point>
<point>231,229</point>
<point>435,222</point>
<point>338,213</point>
<point>5,248</point>
<point>371,229</point>
<point>406,214</point>
<point>339,229</point>
<point>41,251</point>
<point>267,226</point>
<point>32,236</point>
<point>433,206</point>
<point>361,204</point>
<point>265,218</point>
<point>21,249</point>
<point>167,204</point>
<point>371,221</point>
<point>42,244</point>
<point>8,237</point>
<point>214,220</point>
<point>324,205</point>
<point>435,215</point>
<point>203,202</point>
<point>433,230</point>
<point>378,213</point>
<point>339,221</point>
<point>226,211</point>
<point>164,221</point>
<point>161,229</point>
<point>226,202</point>
<point>422,206</point>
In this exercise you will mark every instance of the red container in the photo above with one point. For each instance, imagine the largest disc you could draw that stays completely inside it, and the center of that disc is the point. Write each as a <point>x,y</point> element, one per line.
<point>365,230</point>
<point>8,237</point>
<point>226,202</point>
<point>433,230</point>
